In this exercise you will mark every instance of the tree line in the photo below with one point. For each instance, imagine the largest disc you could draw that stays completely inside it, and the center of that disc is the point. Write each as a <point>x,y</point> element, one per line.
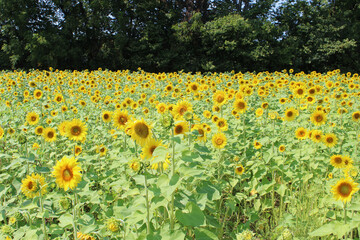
<point>173,35</point>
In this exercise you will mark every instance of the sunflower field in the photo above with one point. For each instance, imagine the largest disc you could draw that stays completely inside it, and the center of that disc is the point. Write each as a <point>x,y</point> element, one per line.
<point>136,155</point>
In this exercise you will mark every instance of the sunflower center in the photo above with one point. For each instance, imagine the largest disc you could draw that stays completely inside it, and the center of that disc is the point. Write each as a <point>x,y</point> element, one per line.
<point>338,160</point>
<point>152,149</point>
<point>329,140</point>
<point>357,115</point>
<point>318,118</point>
<point>300,91</point>
<point>302,133</point>
<point>241,105</point>
<point>141,130</point>
<point>76,131</point>
<point>345,189</point>
<point>122,120</point>
<point>182,110</point>
<point>39,130</point>
<point>33,118</point>
<point>239,169</point>
<point>219,141</point>
<point>30,185</point>
<point>221,124</point>
<point>289,114</point>
<point>201,132</point>
<point>220,99</point>
<point>67,174</point>
<point>106,116</point>
<point>178,129</point>
<point>318,137</point>
<point>50,134</point>
<point>102,149</point>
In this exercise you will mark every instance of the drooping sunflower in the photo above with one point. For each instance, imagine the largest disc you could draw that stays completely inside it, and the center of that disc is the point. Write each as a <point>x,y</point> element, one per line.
<point>239,169</point>
<point>344,189</point>
<point>32,118</point>
<point>355,116</point>
<point>120,118</point>
<point>62,128</point>
<point>49,134</point>
<point>301,133</point>
<point>240,106</point>
<point>140,131</point>
<point>77,150</point>
<point>106,116</point>
<point>337,161</point>
<point>181,128</point>
<point>33,184</point>
<point>76,130</point>
<point>148,153</point>
<point>219,140</point>
<point>67,173</point>
<point>222,124</point>
<point>318,118</point>
<point>201,132</point>
<point>330,140</point>
<point>316,136</point>
<point>181,108</point>
<point>291,114</point>
<point>1,132</point>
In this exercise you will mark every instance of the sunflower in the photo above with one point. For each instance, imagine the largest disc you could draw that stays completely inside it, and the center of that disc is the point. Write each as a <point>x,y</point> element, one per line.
<point>76,130</point>
<point>207,114</point>
<point>219,140</point>
<point>222,124</point>
<point>67,173</point>
<point>299,92</point>
<point>240,106</point>
<point>106,116</point>
<point>318,118</point>
<point>330,140</point>
<point>220,98</point>
<point>291,114</point>
<point>1,132</point>
<point>316,136</point>
<point>38,94</point>
<point>282,148</point>
<point>140,131</point>
<point>120,118</point>
<point>134,165</point>
<point>181,128</point>
<point>148,153</point>
<point>239,169</point>
<point>200,131</point>
<point>301,133</point>
<point>49,134</point>
<point>32,185</point>
<point>161,108</point>
<point>58,98</point>
<point>62,127</point>
<point>337,161</point>
<point>344,189</point>
<point>181,108</point>
<point>257,144</point>
<point>356,116</point>
<point>259,112</point>
<point>348,162</point>
<point>32,118</point>
<point>101,149</point>
<point>77,150</point>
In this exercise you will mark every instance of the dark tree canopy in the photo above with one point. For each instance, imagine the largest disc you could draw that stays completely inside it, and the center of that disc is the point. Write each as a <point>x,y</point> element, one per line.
<point>173,35</point>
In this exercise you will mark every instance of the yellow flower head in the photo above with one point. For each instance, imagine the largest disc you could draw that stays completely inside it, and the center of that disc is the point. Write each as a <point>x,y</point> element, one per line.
<point>76,130</point>
<point>344,189</point>
<point>219,140</point>
<point>32,185</point>
<point>67,173</point>
<point>32,118</point>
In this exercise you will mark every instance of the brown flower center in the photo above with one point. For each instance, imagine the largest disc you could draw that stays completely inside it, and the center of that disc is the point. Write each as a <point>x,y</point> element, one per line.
<point>75,131</point>
<point>67,174</point>
<point>141,130</point>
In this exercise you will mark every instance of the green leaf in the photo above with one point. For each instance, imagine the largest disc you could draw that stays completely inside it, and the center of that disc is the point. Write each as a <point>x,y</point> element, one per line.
<point>66,220</point>
<point>337,228</point>
<point>194,217</point>
<point>204,234</point>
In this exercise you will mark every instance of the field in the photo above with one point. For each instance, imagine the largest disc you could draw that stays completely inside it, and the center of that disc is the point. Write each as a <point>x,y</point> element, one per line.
<point>137,155</point>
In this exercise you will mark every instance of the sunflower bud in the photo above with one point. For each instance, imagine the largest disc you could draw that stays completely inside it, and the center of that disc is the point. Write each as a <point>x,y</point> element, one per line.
<point>65,203</point>
<point>22,139</point>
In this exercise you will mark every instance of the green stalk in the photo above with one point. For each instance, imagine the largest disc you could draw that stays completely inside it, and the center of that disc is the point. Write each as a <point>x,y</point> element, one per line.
<point>345,218</point>
<point>147,206</point>
<point>74,217</point>
<point>172,220</point>
<point>42,215</point>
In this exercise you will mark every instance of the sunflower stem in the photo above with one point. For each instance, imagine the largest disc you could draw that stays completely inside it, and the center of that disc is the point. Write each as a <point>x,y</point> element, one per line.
<point>172,174</point>
<point>147,206</point>
<point>42,215</point>
<point>74,217</point>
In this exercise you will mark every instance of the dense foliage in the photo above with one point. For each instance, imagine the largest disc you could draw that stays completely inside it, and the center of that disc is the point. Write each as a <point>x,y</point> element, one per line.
<point>169,35</point>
